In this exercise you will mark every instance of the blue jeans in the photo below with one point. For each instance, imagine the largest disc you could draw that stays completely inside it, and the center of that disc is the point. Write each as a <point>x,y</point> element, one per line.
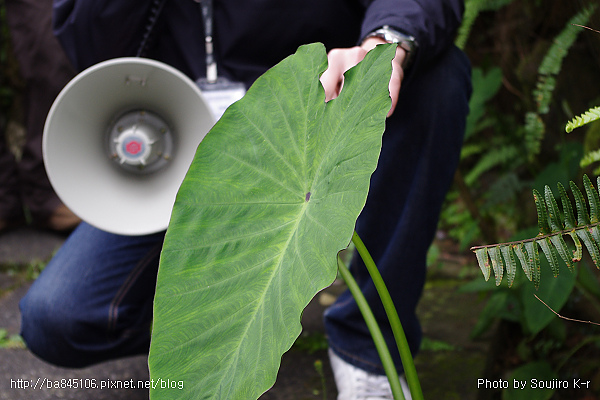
<point>418,160</point>
<point>93,302</point>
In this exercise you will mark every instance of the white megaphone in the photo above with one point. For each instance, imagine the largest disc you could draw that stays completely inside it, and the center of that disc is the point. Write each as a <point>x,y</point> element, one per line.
<point>119,140</point>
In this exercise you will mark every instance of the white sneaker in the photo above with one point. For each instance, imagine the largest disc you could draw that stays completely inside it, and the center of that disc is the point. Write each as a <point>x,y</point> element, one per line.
<point>356,384</point>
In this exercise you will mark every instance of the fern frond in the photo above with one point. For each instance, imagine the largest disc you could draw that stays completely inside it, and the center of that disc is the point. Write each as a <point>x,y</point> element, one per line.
<point>554,223</point>
<point>552,62</point>
<point>534,133</point>
<point>498,156</point>
<point>592,195</point>
<point>589,116</point>
<point>511,264</point>
<point>590,158</point>
<point>534,260</point>
<point>524,259</point>
<point>588,241</point>
<point>543,92</point>
<point>497,264</point>
<point>553,212</point>
<point>541,213</point>
<point>472,10</point>
<point>551,254</point>
<point>566,206</point>
<point>578,252</point>
<point>547,72</point>
<point>561,246</point>
<point>483,261</point>
<point>582,212</point>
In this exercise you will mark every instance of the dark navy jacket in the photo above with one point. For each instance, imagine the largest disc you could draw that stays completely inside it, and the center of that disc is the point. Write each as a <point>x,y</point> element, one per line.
<point>250,35</point>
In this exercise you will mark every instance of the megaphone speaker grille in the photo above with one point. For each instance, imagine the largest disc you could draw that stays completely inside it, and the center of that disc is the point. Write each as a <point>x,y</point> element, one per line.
<point>119,140</point>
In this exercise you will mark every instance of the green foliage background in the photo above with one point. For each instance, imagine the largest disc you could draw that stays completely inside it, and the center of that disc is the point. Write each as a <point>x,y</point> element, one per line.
<point>533,71</point>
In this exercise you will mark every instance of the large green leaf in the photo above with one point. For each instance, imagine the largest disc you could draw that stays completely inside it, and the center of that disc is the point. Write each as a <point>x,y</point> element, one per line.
<point>271,197</point>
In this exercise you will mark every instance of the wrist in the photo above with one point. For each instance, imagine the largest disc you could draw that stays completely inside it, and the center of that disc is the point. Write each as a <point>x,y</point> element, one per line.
<point>370,42</point>
<point>407,45</point>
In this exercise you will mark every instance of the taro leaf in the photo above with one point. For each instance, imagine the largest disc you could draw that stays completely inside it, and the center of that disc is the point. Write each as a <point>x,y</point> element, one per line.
<point>270,199</point>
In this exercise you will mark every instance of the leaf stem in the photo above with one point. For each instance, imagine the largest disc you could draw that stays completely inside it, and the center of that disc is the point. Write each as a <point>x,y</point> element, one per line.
<point>563,317</point>
<point>390,310</point>
<point>380,344</point>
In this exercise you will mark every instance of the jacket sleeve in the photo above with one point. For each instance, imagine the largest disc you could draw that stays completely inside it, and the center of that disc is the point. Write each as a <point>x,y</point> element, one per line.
<point>433,23</point>
<point>91,31</point>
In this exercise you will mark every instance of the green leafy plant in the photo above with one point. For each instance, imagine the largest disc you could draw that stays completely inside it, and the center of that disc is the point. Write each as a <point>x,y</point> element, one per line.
<point>517,303</point>
<point>554,224</point>
<point>269,201</point>
<point>592,156</point>
<point>472,10</point>
<point>515,153</point>
<point>548,70</point>
<point>10,341</point>
<point>552,230</point>
<point>561,237</point>
<point>502,152</point>
<point>591,115</point>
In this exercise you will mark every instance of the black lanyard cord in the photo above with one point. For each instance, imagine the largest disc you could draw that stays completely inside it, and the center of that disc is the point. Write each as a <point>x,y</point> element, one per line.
<point>155,11</point>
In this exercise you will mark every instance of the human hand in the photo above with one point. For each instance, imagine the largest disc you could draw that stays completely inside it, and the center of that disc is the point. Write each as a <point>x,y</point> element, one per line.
<point>342,59</point>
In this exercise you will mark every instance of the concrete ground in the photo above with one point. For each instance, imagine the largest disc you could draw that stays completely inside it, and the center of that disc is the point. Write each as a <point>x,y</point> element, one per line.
<point>448,365</point>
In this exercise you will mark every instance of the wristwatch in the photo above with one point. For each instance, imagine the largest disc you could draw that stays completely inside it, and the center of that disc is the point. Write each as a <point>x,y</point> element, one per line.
<point>390,35</point>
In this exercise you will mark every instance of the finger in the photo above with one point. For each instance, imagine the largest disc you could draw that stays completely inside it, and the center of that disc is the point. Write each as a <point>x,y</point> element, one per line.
<point>333,77</point>
<point>332,82</point>
<point>394,86</point>
<point>339,61</point>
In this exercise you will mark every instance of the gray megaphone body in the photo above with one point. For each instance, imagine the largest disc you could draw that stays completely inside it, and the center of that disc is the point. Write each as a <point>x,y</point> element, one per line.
<point>119,140</point>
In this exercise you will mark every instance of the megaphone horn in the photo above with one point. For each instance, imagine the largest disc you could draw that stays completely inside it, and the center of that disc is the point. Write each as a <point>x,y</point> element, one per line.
<point>119,140</point>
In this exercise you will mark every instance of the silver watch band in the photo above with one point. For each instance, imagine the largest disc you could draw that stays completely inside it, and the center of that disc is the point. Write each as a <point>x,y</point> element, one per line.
<point>390,35</point>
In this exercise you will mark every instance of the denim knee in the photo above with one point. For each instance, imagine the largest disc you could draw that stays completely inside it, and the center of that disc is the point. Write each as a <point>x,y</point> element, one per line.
<point>49,329</point>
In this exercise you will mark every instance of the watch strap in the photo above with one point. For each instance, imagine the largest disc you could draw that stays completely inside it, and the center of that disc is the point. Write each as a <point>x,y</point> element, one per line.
<point>406,42</point>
